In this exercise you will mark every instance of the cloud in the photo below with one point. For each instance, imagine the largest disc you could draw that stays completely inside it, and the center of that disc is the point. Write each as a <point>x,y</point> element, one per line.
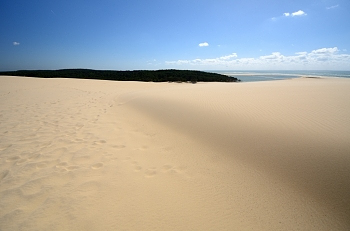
<point>215,61</point>
<point>297,13</point>
<point>227,57</point>
<point>323,58</point>
<point>324,51</point>
<point>274,55</point>
<point>15,43</point>
<point>205,44</point>
<point>332,7</point>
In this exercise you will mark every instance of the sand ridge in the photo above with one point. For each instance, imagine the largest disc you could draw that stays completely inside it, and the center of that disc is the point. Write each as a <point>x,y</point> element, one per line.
<point>92,155</point>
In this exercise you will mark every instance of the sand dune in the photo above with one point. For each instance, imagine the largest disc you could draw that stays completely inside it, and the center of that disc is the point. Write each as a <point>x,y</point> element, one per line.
<point>101,155</point>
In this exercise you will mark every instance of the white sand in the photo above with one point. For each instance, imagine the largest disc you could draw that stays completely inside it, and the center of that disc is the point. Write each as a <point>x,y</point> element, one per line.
<point>101,155</point>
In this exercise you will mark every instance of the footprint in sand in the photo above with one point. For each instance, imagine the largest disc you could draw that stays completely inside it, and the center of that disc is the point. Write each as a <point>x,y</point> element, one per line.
<point>34,187</point>
<point>63,170</point>
<point>97,166</point>
<point>142,148</point>
<point>100,142</point>
<point>4,174</point>
<point>12,159</point>
<point>118,146</point>
<point>171,169</point>
<point>73,167</point>
<point>62,164</point>
<point>41,165</point>
<point>137,167</point>
<point>21,161</point>
<point>151,172</point>
<point>112,158</point>
<point>33,156</point>
<point>166,168</point>
<point>127,158</point>
<point>5,146</point>
<point>78,126</point>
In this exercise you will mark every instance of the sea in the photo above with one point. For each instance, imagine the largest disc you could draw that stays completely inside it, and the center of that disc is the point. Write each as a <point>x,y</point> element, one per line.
<point>253,76</point>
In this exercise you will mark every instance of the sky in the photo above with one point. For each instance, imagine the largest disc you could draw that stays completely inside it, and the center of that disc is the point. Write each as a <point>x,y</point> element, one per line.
<point>175,34</point>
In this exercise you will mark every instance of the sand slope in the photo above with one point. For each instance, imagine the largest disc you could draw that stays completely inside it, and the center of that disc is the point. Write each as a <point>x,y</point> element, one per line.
<point>100,155</point>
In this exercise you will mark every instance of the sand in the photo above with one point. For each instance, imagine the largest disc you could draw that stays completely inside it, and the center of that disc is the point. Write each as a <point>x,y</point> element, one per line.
<point>101,155</point>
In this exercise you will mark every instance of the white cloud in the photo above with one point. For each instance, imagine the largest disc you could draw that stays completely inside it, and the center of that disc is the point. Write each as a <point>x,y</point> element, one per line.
<point>215,61</point>
<point>274,55</point>
<point>297,13</point>
<point>205,44</point>
<point>323,58</point>
<point>227,57</point>
<point>324,54</point>
<point>15,43</point>
<point>325,51</point>
<point>332,7</point>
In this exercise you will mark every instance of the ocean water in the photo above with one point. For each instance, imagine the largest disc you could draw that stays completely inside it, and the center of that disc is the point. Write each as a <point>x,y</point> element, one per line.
<point>252,76</point>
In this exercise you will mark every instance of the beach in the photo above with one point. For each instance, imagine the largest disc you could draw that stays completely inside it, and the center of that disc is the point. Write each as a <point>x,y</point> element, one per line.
<point>111,155</point>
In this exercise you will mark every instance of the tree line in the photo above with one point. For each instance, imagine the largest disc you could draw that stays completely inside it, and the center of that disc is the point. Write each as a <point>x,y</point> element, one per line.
<point>170,75</point>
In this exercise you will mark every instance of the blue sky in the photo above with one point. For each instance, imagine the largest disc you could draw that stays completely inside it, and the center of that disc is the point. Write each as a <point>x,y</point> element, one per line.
<point>180,34</point>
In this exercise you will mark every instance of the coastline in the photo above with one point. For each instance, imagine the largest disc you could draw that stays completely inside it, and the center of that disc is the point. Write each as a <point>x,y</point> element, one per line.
<point>95,154</point>
<point>253,76</point>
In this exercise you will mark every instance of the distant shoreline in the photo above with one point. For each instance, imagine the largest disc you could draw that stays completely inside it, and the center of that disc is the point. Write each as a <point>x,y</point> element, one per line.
<point>253,76</point>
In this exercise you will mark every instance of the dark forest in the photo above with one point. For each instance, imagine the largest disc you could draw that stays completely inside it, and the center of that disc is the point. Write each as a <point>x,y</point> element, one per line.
<point>170,75</point>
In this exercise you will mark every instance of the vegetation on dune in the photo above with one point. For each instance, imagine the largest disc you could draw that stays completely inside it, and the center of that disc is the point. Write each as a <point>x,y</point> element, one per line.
<point>138,75</point>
